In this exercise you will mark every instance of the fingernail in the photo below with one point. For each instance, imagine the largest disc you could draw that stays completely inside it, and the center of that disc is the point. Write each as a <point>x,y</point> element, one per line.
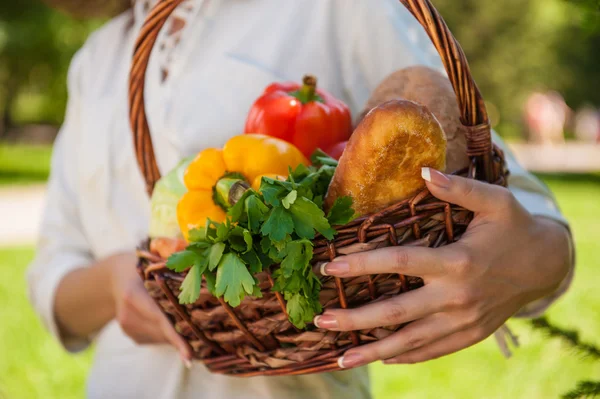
<point>186,362</point>
<point>335,268</point>
<point>435,177</point>
<point>327,321</point>
<point>323,272</point>
<point>351,360</point>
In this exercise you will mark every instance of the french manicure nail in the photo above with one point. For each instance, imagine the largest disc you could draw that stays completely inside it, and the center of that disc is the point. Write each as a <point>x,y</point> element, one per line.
<point>335,268</point>
<point>351,360</point>
<point>327,321</point>
<point>435,177</point>
<point>186,362</point>
<point>323,272</point>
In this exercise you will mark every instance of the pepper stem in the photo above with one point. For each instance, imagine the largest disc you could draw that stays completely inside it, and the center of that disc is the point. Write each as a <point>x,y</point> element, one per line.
<point>229,189</point>
<point>308,92</point>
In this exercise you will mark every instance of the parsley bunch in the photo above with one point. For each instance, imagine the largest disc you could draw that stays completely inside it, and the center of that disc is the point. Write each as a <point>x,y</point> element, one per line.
<point>272,227</point>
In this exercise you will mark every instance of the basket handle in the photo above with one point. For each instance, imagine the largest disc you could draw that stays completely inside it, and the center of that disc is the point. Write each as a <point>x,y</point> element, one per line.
<point>472,107</point>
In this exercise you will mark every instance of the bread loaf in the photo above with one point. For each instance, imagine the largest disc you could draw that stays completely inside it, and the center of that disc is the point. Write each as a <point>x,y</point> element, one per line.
<point>384,156</point>
<point>430,88</point>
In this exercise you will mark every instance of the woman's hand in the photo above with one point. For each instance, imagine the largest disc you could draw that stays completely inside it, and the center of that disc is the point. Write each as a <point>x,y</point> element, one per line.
<point>506,259</point>
<point>135,311</point>
<point>89,297</point>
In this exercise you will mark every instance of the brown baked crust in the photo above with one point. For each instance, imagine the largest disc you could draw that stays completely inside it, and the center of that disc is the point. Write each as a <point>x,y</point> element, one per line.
<point>382,161</point>
<point>432,89</point>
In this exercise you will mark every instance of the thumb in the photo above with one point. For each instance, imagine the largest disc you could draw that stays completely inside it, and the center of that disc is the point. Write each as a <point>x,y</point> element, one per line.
<point>471,194</point>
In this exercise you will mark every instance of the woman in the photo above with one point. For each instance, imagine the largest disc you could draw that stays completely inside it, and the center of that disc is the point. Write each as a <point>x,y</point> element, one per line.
<point>213,59</point>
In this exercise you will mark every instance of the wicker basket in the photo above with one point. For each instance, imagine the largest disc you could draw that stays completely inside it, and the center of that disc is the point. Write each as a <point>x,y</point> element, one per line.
<point>256,338</point>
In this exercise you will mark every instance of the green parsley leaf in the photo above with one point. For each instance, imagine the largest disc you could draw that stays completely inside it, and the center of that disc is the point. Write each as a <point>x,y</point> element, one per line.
<point>265,244</point>
<point>197,235</point>
<point>289,199</point>
<point>252,259</point>
<point>341,212</point>
<point>210,278</point>
<point>318,200</point>
<point>320,157</point>
<point>199,245</point>
<point>256,211</point>
<point>300,310</point>
<point>210,231</point>
<point>271,191</point>
<point>223,230</point>
<point>301,172</point>
<point>236,212</point>
<point>216,252</point>
<point>257,293</point>
<point>233,280</point>
<point>240,239</point>
<point>182,260</point>
<point>278,224</point>
<point>297,256</point>
<point>308,217</point>
<point>190,288</point>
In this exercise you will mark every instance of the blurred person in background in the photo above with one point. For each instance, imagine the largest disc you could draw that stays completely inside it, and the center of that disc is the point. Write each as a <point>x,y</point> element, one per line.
<point>213,58</point>
<point>546,115</point>
<point>587,125</point>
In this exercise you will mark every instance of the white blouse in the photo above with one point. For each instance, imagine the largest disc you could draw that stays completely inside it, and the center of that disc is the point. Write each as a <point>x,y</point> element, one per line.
<point>217,57</point>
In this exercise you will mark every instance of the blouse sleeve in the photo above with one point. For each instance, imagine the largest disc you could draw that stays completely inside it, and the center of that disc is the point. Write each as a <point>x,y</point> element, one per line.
<point>62,245</point>
<point>386,37</point>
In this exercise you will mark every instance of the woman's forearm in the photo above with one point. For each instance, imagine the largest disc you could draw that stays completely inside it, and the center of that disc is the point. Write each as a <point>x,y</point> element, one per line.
<point>84,301</point>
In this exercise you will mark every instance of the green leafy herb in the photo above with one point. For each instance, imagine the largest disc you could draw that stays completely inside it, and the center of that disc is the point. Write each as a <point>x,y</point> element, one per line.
<point>301,309</point>
<point>278,225</point>
<point>256,211</point>
<point>233,280</point>
<point>341,212</point>
<point>190,288</point>
<point>272,227</point>
<point>216,252</point>
<point>320,157</point>
<point>181,261</point>
<point>308,217</point>
<point>289,199</point>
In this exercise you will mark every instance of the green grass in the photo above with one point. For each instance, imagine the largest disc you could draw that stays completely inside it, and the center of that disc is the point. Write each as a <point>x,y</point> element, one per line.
<point>24,164</point>
<point>33,366</point>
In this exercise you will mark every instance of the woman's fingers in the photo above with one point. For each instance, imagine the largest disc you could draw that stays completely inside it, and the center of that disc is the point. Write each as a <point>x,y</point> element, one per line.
<point>445,346</point>
<point>138,327</point>
<point>415,335</point>
<point>184,349</point>
<point>469,193</point>
<point>141,319</point>
<point>158,322</point>
<point>399,309</point>
<point>412,261</point>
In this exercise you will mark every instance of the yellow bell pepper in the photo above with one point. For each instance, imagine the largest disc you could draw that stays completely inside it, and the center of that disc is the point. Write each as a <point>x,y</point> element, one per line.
<point>244,160</point>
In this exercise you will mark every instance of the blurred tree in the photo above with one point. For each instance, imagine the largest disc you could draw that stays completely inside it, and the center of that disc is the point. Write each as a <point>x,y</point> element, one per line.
<point>36,45</point>
<point>514,47</point>
<point>591,13</point>
<point>518,46</point>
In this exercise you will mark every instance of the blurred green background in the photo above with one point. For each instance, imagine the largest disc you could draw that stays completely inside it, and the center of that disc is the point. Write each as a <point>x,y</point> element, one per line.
<point>515,47</point>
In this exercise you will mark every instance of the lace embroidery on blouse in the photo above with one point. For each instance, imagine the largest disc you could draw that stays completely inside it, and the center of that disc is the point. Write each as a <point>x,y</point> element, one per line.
<point>166,46</point>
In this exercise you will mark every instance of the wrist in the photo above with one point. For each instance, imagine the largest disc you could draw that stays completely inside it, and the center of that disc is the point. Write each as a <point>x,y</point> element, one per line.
<point>118,269</point>
<point>556,250</point>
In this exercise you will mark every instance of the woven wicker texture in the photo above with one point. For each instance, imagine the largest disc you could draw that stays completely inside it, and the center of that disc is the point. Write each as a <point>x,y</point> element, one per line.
<point>256,338</point>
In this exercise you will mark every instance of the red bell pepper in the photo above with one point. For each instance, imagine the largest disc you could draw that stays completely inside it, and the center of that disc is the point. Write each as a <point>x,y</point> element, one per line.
<point>303,115</point>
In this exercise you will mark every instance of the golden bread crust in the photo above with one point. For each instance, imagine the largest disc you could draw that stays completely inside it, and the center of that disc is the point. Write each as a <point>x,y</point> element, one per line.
<point>382,161</point>
<point>432,89</point>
